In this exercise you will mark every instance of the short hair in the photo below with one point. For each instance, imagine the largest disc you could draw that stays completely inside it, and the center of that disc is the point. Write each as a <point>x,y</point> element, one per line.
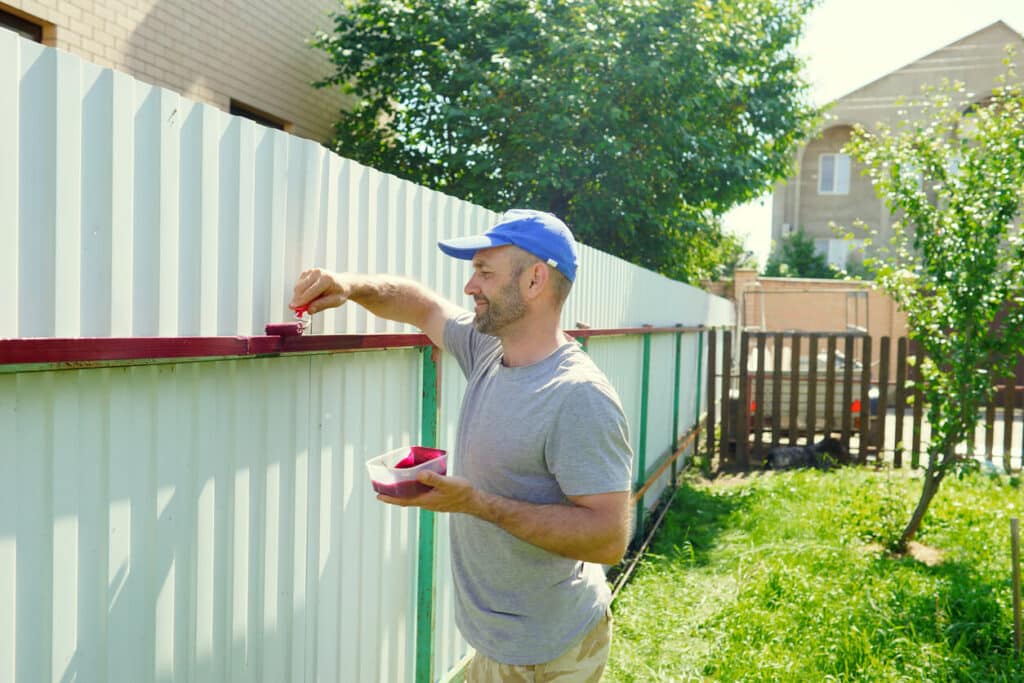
<point>561,284</point>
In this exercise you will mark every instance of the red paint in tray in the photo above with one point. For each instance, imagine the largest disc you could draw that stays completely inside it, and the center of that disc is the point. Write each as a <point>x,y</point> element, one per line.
<point>394,473</point>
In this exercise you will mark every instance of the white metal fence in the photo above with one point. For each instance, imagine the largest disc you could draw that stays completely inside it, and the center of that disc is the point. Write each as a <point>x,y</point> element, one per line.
<point>212,521</point>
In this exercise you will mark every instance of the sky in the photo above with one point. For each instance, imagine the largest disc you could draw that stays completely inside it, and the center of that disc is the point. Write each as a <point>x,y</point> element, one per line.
<point>850,43</point>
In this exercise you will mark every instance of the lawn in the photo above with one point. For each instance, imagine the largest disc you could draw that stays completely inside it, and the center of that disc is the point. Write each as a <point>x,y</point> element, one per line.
<point>783,577</point>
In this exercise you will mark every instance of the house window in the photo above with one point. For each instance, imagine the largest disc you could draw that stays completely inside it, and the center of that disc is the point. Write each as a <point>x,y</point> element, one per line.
<point>834,174</point>
<point>260,117</point>
<point>21,25</point>
<point>837,251</point>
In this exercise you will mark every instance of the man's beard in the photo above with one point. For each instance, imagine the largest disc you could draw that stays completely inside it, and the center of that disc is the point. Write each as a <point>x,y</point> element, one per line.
<point>507,309</point>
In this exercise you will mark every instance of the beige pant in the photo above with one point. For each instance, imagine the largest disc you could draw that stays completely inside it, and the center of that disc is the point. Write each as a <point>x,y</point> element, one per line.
<point>582,663</point>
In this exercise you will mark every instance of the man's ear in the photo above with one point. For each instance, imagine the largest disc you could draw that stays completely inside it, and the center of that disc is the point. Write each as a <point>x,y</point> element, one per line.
<point>539,278</point>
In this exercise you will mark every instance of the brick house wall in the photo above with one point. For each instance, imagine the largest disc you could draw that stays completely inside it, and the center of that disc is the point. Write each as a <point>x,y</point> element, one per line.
<point>253,52</point>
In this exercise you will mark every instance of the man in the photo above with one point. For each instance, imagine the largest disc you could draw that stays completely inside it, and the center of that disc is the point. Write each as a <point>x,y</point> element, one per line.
<point>542,453</point>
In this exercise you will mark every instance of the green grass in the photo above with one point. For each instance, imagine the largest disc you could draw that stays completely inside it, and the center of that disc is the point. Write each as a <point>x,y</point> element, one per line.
<point>783,578</point>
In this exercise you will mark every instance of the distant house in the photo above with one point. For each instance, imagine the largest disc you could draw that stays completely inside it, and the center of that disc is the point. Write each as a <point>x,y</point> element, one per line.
<point>829,186</point>
<point>249,59</point>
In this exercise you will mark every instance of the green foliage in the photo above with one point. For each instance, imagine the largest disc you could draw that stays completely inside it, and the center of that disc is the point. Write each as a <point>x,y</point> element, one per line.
<point>796,257</point>
<point>732,254</point>
<point>639,123</point>
<point>954,176</point>
<point>777,578</point>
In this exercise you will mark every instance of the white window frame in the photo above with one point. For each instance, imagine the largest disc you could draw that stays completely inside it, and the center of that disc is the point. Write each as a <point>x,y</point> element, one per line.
<point>839,173</point>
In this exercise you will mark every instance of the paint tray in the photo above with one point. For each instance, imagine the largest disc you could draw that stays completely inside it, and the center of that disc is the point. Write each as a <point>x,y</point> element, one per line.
<point>394,473</point>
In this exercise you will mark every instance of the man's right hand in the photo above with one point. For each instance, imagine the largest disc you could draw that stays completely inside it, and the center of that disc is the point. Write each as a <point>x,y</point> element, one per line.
<point>317,290</point>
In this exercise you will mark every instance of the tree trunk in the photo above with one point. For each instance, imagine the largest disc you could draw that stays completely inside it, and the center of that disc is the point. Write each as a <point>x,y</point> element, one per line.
<point>932,478</point>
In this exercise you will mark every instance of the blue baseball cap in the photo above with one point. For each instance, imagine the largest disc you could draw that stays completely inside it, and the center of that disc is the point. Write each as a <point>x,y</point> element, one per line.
<point>541,234</point>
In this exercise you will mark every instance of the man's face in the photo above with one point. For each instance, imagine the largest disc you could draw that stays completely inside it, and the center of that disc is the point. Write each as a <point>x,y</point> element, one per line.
<point>495,289</point>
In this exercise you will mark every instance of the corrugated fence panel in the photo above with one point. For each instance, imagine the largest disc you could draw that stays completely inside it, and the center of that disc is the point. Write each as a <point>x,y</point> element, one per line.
<point>660,403</point>
<point>216,516</point>
<point>169,217</point>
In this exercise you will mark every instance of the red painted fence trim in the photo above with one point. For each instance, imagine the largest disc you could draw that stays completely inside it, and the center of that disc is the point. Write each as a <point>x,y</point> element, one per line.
<point>47,350</point>
<point>99,349</point>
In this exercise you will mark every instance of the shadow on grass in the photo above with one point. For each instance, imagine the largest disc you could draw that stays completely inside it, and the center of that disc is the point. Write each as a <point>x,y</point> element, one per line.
<point>963,613</point>
<point>698,517</point>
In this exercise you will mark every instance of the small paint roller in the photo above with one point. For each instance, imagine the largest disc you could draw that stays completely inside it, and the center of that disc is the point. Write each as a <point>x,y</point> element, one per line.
<point>289,329</point>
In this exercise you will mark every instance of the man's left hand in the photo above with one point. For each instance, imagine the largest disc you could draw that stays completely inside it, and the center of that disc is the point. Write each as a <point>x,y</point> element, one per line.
<point>448,494</point>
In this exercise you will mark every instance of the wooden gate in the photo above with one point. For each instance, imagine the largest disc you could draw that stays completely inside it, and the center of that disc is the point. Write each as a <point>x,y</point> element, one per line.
<point>795,388</point>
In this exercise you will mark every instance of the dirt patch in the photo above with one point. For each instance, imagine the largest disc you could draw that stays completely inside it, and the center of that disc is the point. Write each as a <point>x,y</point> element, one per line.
<point>924,554</point>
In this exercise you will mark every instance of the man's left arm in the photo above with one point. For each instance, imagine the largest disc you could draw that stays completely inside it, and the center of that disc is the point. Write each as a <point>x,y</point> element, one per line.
<point>592,528</point>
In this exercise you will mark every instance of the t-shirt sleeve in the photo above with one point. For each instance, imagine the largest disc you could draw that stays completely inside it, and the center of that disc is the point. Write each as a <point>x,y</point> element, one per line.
<point>463,341</point>
<point>588,450</point>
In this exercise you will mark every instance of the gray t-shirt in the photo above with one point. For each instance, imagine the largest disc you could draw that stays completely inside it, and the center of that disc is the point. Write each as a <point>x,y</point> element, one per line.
<point>536,434</point>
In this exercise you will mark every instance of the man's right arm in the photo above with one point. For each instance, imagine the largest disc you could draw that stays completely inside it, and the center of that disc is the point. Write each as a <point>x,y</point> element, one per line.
<point>386,296</point>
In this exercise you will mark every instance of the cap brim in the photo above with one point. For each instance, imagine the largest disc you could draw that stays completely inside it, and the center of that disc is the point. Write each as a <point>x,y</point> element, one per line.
<point>466,247</point>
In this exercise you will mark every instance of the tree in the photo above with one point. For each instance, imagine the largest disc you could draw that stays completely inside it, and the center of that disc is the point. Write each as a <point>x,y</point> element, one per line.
<point>639,123</point>
<point>797,257</point>
<point>955,177</point>
<point>732,255</point>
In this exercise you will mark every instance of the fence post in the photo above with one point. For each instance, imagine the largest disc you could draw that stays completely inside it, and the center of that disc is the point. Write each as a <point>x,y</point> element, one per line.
<point>696,416</point>
<point>901,400</point>
<point>727,421</point>
<point>641,459</point>
<point>675,400</point>
<point>712,398</point>
<point>429,421</point>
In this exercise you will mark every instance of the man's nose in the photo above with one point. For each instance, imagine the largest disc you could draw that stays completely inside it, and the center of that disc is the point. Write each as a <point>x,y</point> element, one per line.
<point>471,287</point>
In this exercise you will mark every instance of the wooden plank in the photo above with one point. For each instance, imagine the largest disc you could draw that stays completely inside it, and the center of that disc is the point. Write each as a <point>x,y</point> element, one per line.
<point>847,418</point>
<point>777,389</point>
<point>726,454</point>
<point>1009,404</point>
<point>884,352</point>
<point>864,416</point>
<point>812,387</point>
<point>759,400</point>
<point>743,410</point>
<point>901,400</point>
<point>830,386</point>
<point>915,453</point>
<point>712,372</point>
<point>990,426</point>
<point>794,388</point>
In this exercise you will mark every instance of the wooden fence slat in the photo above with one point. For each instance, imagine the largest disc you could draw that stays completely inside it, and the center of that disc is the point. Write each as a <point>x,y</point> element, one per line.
<point>882,412</point>
<point>759,400</point>
<point>915,453</point>
<point>712,375</point>
<point>830,386</point>
<point>865,399</point>
<point>812,387</point>
<point>743,414</point>
<point>847,418</point>
<point>1009,403</point>
<point>794,388</point>
<point>776,389</point>
<point>728,429</point>
<point>990,426</point>
<point>901,400</point>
